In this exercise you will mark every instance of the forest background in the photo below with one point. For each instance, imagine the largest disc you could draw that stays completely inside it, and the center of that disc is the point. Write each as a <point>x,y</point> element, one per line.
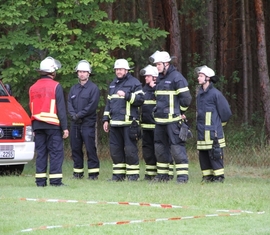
<point>228,36</point>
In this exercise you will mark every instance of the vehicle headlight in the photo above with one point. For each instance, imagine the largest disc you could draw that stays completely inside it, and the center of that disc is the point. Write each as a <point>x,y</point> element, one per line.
<point>29,135</point>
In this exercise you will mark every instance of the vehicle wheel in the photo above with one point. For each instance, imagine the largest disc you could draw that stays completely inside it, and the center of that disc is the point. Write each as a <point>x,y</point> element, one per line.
<point>11,169</point>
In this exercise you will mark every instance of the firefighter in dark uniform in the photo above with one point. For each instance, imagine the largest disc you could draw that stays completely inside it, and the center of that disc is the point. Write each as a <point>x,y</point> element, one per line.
<point>121,117</point>
<point>147,121</point>
<point>49,122</point>
<point>83,101</point>
<point>173,99</point>
<point>213,112</point>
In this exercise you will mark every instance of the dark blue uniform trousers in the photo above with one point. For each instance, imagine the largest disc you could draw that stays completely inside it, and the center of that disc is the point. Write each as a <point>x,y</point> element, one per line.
<point>79,135</point>
<point>49,143</point>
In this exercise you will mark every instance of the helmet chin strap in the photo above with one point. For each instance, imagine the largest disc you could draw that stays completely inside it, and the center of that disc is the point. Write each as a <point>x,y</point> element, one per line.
<point>164,68</point>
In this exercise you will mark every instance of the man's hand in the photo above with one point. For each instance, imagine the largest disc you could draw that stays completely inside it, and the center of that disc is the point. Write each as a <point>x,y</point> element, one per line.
<point>121,93</point>
<point>65,134</point>
<point>75,117</point>
<point>106,126</point>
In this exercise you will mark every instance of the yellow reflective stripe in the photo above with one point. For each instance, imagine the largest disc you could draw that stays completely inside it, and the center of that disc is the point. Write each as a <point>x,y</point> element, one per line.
<point>127,111</point>
<point>40,175</point>
<point>148,126</point>
<point>132,98</point>
<point>52,106</point>
<point>207,144</point>
<point>181,166</point>
<point>169,119</point>
<point>224,123</point>
<point>182,172</point>
<point>165,92</point>
<point>150,102</point>
<point>106,113</point>
<point>204,147</point>
<point>94,170</point>
<point>132,166</point>
<point>162,171</point>
<point>54,176</point>
<point>183,108</point>
<point>150,167</point>
<point>114,122</point>
<point>162,92</point>
<point>181,90</point>
<point>119,171</point>
<point>207,123</point>
<point>219,172</point>
<point>138,92</point>
<point>116,96</point>
<point>163,165</point>
<point>151,173</point>
<point>132,172</point>
<point>119,165</point>
<point>76,170</point>
<point>47,117</point>
<point>207,172</point>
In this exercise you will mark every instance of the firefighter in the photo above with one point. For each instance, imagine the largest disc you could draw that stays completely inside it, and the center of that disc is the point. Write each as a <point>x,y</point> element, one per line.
<point>83,101</point>
<point>213,112</point>
<point>49,123</point>
<point>173,99</point>
<point>147,121</point>
<point>121,117</point>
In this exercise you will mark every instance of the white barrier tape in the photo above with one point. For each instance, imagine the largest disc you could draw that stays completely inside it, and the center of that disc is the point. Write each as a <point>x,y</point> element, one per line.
<point>226,213</point>
<point>113,203</point>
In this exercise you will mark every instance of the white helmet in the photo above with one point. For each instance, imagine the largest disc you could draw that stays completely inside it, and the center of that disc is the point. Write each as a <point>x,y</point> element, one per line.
<point>152,57</point>
<point>121,64</point>
<point>149,70</point>
<point>49,65</point>
<point>162,56</point>
<point>83,65</point>
<point>206,71</point>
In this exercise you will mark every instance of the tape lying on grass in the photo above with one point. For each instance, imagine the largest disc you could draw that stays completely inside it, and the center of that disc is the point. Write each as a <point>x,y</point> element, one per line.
<point>223,214</point>
<point>112,203</point>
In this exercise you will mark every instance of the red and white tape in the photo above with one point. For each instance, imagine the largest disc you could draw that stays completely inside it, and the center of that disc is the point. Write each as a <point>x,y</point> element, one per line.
<point>225,213</point>
<point>97,202</point>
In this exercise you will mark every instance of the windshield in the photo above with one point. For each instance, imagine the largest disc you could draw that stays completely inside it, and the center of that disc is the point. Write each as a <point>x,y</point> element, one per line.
<point>2,90</point>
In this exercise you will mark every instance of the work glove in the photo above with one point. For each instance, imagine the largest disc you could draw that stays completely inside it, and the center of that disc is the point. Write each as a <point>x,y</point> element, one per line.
<point>76,119</point>
<point>185,133</point>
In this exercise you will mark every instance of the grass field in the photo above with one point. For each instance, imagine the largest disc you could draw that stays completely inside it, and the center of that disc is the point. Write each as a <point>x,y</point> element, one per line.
<point>233,207</point>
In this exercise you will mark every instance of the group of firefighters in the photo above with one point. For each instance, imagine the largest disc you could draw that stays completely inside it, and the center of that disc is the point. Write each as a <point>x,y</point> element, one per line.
<point>158,109</point>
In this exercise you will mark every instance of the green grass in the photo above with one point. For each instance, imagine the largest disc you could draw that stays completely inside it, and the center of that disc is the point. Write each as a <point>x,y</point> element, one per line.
<point>245,188</point>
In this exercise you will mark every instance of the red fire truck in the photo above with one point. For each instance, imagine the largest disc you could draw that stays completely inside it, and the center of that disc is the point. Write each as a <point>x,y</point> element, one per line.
<point>16,136</point>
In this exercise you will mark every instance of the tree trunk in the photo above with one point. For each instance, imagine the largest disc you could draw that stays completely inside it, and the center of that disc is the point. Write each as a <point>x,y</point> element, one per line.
<point>223,7</point>
<point>245,66</point>
<point>210,38</point>
<point>249,60</point>
<point>172,26</point>
<point>263,67</point>
<point>150,13</point>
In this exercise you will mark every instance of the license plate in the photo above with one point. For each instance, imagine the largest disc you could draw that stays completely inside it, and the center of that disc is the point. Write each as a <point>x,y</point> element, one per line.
<point>7,154</point>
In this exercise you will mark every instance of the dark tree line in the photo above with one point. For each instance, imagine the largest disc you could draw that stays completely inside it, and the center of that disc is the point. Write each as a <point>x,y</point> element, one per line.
<point>229,36</point>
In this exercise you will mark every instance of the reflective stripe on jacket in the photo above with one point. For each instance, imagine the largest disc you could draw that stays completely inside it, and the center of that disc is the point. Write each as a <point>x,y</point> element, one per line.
<point>120,111</point>
<point>213,112</point>
<point>43,101</point>
<point>172,95</point>
<point>147,119</point>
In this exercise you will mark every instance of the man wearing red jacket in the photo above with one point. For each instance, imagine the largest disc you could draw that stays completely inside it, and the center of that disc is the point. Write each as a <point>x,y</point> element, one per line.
<point>49,123</point>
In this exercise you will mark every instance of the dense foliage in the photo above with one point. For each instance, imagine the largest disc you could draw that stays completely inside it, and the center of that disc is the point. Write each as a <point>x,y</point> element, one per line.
<point>68,31</point>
